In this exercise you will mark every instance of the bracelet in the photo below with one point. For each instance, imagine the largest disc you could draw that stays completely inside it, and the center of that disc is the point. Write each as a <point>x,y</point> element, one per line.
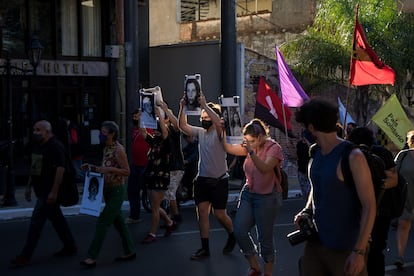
<point>359,251</point>
<point>251,153</point>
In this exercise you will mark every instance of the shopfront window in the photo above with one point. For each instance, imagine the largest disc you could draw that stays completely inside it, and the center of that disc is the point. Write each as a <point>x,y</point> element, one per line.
<point>91,29</point>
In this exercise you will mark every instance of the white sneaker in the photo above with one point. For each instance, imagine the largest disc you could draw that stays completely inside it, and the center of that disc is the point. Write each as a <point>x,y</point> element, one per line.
<point>132,221</point>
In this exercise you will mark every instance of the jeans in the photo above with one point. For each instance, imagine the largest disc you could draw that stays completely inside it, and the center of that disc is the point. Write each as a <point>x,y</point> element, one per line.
<point>135,184</point>
<point>41,212</point>
<point>112,214</point>
<point>260,211</point>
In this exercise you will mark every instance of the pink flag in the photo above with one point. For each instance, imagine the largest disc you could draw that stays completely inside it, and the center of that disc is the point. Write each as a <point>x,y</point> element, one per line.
<point>292,93</point>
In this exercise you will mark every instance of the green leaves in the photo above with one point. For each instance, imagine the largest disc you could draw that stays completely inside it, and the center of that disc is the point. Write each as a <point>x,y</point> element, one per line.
<point>324,51</point>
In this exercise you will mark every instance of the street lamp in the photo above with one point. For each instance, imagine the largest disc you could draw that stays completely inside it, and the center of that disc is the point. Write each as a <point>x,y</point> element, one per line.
<point>408,90</point>
<point>35,53</point>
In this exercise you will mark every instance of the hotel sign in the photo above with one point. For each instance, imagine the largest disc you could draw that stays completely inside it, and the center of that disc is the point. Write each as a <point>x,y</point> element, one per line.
<point>66,68</point>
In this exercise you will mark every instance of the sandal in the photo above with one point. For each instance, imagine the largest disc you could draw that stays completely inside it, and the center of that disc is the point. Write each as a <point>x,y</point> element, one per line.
<point>88,263</point>
<point>126,258</point>
<point>254,272</point>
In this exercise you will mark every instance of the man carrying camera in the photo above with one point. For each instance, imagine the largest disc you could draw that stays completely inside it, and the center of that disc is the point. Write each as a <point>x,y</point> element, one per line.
<point>343,214</point>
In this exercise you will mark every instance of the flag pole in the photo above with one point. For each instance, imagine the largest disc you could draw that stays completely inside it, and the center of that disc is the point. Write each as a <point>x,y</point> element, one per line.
<point>283,108</point>
<point>346,110</point>
<point>284,120</point>
<point>349,82</point>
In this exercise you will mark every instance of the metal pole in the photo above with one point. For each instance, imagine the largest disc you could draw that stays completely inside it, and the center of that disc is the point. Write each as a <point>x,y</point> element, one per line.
<point>228,48</point>
<point>132,62</point>
<point>9,198</point>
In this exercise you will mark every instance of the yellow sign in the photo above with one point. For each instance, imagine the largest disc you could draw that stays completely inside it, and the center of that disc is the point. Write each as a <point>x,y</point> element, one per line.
<point>392,119</point>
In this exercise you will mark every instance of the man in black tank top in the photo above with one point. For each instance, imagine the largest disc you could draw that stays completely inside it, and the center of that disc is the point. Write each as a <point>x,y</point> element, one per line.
<point>335,250</point>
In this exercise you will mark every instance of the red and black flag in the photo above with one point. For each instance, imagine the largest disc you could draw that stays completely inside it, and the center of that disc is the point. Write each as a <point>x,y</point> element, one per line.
<point>269,109</point>
<point>366,67</point>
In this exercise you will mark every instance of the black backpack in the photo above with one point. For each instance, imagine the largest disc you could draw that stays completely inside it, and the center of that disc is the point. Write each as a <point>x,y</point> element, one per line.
<point>375,164</point>
<point>398,194</point>
<point>68,194</point>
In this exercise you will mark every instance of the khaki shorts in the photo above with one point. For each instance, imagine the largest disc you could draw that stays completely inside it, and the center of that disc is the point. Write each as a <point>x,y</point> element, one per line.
<point>175,181</point>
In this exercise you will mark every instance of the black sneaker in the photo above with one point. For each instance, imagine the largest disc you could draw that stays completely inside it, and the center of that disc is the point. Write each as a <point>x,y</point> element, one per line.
<point>230,244</point>
<point>399,263</point>
<point>200,254</point>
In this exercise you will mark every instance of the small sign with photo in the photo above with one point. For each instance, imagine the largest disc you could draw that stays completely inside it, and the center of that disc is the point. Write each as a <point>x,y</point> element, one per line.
<point>92,194</point>
<point>192,89</point>
<point>232,119</point>
<point>148,118</point>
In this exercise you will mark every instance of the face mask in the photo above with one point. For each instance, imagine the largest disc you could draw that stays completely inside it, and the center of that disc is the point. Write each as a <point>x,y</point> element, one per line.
<point>103,138</point>
<point>135,122</point>
<point>206,124</point>
<point>37,138</point>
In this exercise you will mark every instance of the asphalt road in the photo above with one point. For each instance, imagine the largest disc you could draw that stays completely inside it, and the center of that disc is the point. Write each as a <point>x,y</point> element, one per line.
<point>167,256</point>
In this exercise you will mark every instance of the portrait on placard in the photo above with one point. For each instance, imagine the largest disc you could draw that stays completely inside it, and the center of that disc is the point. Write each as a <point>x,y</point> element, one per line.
<point>92,194</point>
<point>226,119</point>
<point>157,100</point>
<point>148,118</point>
<point>232,119</point>
<point>192,92</point>
<point>235,121</point>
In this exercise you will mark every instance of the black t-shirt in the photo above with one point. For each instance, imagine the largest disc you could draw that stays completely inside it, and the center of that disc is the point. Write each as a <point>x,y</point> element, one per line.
<point>389,163</point>
<point>45,159</point>
<point>177,159</point>
<point>302,151</point>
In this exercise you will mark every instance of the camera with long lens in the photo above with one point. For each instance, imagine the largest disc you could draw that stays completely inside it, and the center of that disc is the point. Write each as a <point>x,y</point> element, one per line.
<point>306,231</point>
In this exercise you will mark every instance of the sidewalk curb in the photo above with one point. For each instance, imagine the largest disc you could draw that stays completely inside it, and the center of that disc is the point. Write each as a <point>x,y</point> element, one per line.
<point>14,213</point>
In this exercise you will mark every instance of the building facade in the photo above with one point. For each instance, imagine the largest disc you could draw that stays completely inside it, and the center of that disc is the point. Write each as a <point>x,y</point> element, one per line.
<point>81,75</point>
<point>96,56</point>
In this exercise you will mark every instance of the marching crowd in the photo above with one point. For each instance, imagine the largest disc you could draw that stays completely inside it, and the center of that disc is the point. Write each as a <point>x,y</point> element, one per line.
<point>348,224</point>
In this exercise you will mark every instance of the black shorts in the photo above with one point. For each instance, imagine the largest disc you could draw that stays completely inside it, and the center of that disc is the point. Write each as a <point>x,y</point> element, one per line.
<point>214,190</point>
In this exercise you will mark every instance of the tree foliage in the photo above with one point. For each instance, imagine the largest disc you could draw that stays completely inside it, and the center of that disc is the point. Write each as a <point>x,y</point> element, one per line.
<point>324,51</point>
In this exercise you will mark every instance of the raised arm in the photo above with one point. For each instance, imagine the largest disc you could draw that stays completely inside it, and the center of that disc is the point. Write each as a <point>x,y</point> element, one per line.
<point>182,119</point>
<point>234,149</point>
<point>170,115</point>
<point>163,127</point>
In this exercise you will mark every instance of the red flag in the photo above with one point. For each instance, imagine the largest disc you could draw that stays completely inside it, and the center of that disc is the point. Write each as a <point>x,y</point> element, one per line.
<point>366,67</point>
<point>269,108</point>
